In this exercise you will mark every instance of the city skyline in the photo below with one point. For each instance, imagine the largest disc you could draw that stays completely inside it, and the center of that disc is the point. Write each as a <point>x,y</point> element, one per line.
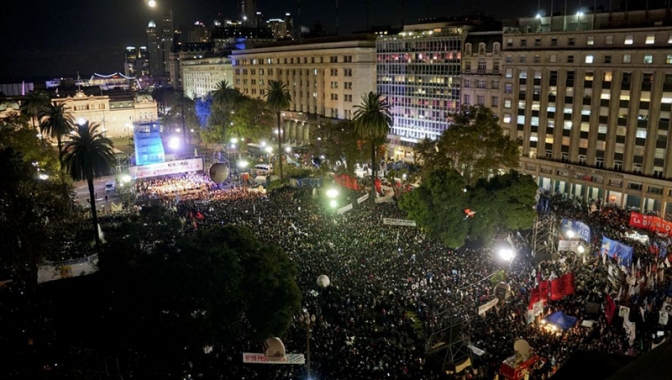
<point>50,39</point>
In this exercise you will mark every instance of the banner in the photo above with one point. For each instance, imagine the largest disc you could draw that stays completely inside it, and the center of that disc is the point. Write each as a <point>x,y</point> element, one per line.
<point>344,209</point>
<point>363,198</point>
<point>569,284</point>
<point>167,168</point>
<point>487,306</point>
<point>581,229</point>
<point>618,251</point>
<point>399,222</point>
<point>538,308</point>
<point>255,358</point>
<point>51,271</point>
<point>346,181</point>
<point>569,245</point>
<point>624,312</point>
<point>544,289</point>
<point>557,288</point>
<point>651,223</point>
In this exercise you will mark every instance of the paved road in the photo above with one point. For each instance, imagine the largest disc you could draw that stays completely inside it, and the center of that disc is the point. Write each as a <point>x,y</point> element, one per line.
<point>82,192</point>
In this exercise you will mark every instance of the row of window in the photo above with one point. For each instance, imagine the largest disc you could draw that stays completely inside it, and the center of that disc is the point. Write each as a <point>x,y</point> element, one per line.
<point>625,39</point>
<point>292,60</point>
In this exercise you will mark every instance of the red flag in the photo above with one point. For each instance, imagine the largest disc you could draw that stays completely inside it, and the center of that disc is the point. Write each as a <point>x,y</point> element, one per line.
<point>609,309</point>
<point>558,288</point>
<point>534,298</point>
<point>377,185</point>
<point>569,283</point>
<point>544,287</point>
<point>199,216</point>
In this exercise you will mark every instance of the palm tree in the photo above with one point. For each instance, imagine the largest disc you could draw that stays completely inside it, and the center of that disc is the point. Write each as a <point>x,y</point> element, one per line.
<point>224,93</point>
<point>56,123</point>
<point>34,104</point>
<point>89,155</point>
<point>372,122</point>
<point>278,99</point>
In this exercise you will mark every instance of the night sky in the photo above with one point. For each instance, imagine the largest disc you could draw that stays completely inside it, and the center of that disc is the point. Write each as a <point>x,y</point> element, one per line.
<point>51,38</point>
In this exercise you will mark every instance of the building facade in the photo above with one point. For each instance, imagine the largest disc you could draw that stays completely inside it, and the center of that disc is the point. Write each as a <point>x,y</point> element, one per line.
<point>136,61</point>
<point>115,114</point>
<point>589,98</point>
<point>418,70</point>
<point>482,70</point>
<point>201,76</point>
<point>326,78</point>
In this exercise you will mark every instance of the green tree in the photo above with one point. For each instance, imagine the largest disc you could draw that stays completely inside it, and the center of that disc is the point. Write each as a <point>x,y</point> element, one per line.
<point>372,120</point>
<point>474,145</point>
<point>33,106</point>
<point>56,123</point>
<point>251,120</point>
<point>339,145</point>
<point>33,214</point>
<point>438,206</point>
<point>278,99</point>
<point>181,114</point>
<point>87,156</point>
<point>225,101</point>
<point>503,203</point>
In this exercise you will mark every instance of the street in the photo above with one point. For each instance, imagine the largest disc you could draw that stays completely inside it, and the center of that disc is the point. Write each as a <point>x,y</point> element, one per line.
<point>82,193</point>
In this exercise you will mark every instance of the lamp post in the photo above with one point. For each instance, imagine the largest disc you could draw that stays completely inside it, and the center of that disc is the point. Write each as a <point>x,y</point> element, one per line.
<point>269,150</point>
<point>309,321</point>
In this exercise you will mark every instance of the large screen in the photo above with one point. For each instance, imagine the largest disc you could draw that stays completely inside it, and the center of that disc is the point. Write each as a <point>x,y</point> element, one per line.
<point>148,144</point>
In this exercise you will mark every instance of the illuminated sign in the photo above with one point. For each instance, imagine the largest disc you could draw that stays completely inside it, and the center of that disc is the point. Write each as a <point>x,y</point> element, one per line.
<point>167,168</point>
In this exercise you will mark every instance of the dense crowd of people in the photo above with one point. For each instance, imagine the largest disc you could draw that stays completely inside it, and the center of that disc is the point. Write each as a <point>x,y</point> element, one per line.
<point>393,288</point>
<point>395,292</point>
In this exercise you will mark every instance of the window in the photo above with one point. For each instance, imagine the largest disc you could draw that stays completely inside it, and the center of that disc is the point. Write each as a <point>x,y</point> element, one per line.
<point>507,103</point>
<point>495,66</point>
<point>495,101</point>
<point>467,83</point>
<point>509,42</point>
<point>494,84</point>
<point>523,42</point>
<point>589,58</point>
<point>570,59</point>
<point>554,41</point>
<point>509,73</point>
<point>553,58</point>
<point>467,49</point>
<point>627,58</point>
<point>523,59</point>
<point>571,41</point>
<point>590,41</point>
<point>609,40</point>
<point>508,88</point>
<point>480,100</point>
<point>650,39</point>
<point>668,59</point>
<point>507,118</point>
<point>347,72</point>
<point>467,99</point>
<point>537,42</point>
<point>648,59</point>
<point>628,39</point>
<point>607,59</point>
<point>482,65</point>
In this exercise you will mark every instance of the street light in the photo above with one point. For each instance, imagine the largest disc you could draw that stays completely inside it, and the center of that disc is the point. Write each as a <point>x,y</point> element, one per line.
<point>309,321</point>
<point>570,234</point>
<point>507,254</point>
<point>332,193</point>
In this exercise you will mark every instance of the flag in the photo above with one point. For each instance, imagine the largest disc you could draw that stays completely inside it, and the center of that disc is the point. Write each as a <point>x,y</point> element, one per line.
<point>558,288</point>
<point>534,297</point>
<point>609,309</point>
<point>569,284</point>
<point>544,288</point>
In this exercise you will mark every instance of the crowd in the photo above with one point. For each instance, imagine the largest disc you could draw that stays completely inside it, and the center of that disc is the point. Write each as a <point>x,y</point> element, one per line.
<point>394,290</point>
<point>392,286</point>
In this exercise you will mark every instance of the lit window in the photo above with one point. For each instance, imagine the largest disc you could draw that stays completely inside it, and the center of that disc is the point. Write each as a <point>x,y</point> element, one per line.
<point>507,118</point>
<point>650,40</point>
<point>589,58</point>
<point>648,59</point>
<point>507,103</point>
<point>627,58</point>
<point>509,73</point>
<point>668,60</point>
<point>609,40</point>
<point>590,40</point>
<point>628,39</point>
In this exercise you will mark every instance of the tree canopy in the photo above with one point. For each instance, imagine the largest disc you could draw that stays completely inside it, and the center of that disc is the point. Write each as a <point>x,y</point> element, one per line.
<point>443,203</point>
<point>339,144</point>
<point>373,119</point>
<point>474,145</point>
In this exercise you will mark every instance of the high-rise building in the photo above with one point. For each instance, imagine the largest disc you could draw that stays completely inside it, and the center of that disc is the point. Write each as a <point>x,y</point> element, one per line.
<point>419,73</point>
<point>588,97</point>
<point>156,66</point>
<point>326,78</point>
<point>198,33</point>
<point>282,28</point>
<point>167,39</point>
<point>248,12</point>
<point>136,61</point>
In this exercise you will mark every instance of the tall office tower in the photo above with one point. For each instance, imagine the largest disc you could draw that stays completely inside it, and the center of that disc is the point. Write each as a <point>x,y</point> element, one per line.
<point>282,28</point>
<point>130,58</point>
<point>198,33</point>
<point>589,99</point>
<point>419,72</point>
<point>167,36</point>
<point>248,12</point>
<point>156,66</point>
<point>143,61</point>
